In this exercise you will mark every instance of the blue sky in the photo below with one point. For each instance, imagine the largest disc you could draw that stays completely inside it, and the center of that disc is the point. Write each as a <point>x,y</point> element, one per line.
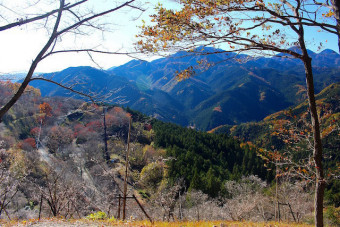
<point>20,45</point>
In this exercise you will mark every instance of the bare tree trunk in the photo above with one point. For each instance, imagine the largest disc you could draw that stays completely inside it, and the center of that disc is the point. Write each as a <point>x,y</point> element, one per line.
<point>142,208</point>
<point>40,206</point>
<point>317,149</point>
<point>106,152</point>
<point>180,212</point>
<point>126,170</point>
<point>317,153</point>
<point>118,215</point>
<point>291,211</point>
<point>336,8</point>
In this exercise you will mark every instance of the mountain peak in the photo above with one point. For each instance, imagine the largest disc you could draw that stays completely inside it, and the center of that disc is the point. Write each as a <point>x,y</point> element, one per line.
<point>206,49</point>
<point>131,64</point>
<point>295,49</point>
<point>328,51</point>
<point>298,50</point>
<point>77,69</point>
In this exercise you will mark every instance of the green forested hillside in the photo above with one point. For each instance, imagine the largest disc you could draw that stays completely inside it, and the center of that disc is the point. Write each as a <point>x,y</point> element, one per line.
<point>328,101</point>
<point>205,160</point>
<point>276,130</point>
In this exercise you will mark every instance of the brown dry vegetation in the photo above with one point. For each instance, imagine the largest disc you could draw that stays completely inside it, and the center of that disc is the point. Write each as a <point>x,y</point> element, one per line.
<point>84,222</point>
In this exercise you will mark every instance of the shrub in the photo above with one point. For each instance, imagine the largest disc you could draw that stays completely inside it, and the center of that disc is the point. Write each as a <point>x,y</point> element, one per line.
<point>333,215</point>
<point>100,215</point>
<point>59,136</point>
<point>152,174</point>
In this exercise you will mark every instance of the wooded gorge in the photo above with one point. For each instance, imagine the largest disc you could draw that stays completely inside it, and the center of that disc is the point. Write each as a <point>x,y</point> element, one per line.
<point>188,112</point>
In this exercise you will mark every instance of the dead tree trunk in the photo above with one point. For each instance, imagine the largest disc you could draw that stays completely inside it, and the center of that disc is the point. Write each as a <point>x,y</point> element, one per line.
<point>118,215</point>
<point>106,152</point>
<point>126,170</point>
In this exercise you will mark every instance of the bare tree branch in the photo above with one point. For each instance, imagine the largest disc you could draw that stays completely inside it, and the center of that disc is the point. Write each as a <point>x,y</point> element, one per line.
<point>81,20</point>
<point>40,17</point>
<point>63,86</point>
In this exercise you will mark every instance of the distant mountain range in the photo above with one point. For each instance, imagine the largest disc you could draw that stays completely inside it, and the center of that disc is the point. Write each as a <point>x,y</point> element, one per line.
<point>12,76</point>
<point>236,89</point>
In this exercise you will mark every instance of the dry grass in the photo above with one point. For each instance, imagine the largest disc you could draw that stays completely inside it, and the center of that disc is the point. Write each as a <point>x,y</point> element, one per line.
<point>85,222</point>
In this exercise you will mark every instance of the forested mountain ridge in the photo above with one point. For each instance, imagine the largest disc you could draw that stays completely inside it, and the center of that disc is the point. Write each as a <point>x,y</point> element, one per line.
<point>111,89</point>
<point>289,132</point>
<point>230,92</point>
<point>328,101</point>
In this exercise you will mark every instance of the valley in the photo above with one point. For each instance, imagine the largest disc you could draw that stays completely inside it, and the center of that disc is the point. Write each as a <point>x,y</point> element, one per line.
<point>230,92</point>
<point>58,143</point>
<point>170,113</point>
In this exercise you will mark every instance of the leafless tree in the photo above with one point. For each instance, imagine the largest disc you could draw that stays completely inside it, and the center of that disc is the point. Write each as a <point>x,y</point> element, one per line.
<point>66,17</point>
<point>294,202</point>
<point>244,198</point>
<point>9,184</point>
<point>166,198</point>
<point>63,195</point>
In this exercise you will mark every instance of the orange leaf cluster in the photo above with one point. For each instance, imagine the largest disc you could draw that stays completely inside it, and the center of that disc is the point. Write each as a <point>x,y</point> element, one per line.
<point>45,109</point>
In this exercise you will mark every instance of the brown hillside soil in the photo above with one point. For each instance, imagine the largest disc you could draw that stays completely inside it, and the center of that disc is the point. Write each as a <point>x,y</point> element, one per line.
<point>86,223</point>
